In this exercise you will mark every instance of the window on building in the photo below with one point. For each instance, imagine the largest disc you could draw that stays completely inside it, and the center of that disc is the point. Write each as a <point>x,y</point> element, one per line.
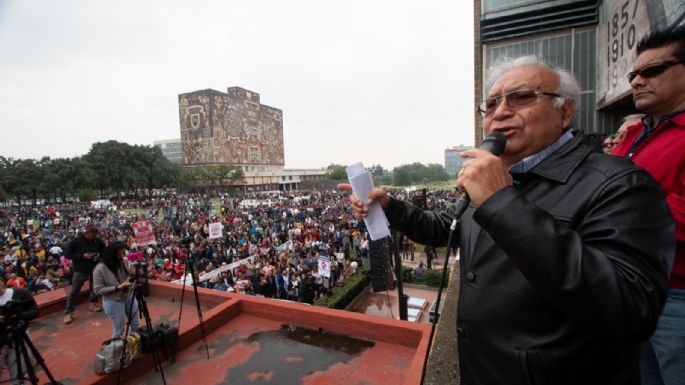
<point>498,5</point>
<point>254,154</point>
<point>573,50</point>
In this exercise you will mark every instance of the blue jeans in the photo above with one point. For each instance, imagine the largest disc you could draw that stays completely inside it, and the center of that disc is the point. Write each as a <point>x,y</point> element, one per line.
<point>662,360</point>
<point>117,310</point>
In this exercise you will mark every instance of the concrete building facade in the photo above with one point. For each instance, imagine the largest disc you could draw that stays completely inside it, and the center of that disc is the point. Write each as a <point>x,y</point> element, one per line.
<point>279,180</point>
<point>230,128</point>
<point>453,160</point>
<point>171,149</point>
<point>594,40</point>
<point>235,128</point>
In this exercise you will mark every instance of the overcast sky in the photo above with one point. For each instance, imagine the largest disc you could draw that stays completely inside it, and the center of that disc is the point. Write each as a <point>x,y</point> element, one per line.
<point>382,82</point>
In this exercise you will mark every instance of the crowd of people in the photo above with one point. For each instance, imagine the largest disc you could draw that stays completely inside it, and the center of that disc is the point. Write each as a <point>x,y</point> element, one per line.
<point>278,238</point>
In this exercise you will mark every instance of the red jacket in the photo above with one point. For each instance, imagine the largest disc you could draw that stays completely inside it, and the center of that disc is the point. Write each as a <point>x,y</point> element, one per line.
<point>662,154</point>
<point>19,282</point>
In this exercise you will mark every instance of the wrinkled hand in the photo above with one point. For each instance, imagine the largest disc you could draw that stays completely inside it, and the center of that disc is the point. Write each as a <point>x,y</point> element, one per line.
<point>360,208</point>
<point>482,175</point>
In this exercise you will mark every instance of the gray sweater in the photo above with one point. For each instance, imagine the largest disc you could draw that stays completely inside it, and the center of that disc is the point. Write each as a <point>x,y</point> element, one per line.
<point>105,282</point>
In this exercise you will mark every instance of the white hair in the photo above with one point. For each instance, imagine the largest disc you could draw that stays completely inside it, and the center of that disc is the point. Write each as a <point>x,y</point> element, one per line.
<point>632,117</point>
<point>568,85</point>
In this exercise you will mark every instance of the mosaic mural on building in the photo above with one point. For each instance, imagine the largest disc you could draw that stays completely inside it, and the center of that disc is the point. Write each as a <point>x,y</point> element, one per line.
<point>230,127</point>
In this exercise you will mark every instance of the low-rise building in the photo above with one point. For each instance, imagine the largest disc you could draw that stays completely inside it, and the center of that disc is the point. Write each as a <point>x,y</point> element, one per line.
<point>453,159</point>
<point>171,149</point>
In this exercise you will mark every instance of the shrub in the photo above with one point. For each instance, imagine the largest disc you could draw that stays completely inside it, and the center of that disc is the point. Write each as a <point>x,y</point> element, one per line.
<point>432,277</point>
<point>407,274</point>
<point>341,296</point>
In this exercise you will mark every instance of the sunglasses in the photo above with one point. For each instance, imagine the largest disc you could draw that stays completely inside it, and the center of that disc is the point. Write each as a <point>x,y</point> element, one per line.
<point>652,70</point>
<point>514,99</point>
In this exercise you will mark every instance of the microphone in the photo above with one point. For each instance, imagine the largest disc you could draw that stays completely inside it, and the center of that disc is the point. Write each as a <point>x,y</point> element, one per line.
<point>493,143</point>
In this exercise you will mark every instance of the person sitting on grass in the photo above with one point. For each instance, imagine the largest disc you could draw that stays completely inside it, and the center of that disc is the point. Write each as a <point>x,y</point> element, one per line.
<point>418,272</point>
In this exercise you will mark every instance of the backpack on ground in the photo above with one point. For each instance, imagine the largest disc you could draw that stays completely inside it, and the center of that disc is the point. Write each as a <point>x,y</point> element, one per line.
<point>164,338</point>
<point>108,359</point>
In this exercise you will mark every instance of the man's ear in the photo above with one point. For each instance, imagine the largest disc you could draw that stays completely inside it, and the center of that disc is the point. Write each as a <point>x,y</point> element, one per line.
<point>567,112</point>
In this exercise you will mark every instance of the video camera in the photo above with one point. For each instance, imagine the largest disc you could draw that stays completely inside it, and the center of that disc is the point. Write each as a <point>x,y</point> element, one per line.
<point>11,311</point>
<point>140,271</point>
<point>138,264</point>
<point>12,323</point>
<point>95,257</point>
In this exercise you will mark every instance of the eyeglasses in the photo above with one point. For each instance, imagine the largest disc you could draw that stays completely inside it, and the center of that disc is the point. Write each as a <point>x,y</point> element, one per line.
<point>515,100</point>
<point>652,70</point>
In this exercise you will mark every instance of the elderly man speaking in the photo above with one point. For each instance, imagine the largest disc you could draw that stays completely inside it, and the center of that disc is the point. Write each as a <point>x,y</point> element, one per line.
<point>565,252</point>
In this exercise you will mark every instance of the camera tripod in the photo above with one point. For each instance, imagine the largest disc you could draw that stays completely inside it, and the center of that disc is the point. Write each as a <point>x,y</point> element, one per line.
<point>17,337</point>
<point>139,297</point>
<point>189,266</point>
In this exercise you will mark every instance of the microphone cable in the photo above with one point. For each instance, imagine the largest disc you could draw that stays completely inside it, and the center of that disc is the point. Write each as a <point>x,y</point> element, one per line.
<point>437,301</point>
<point>494,143</point>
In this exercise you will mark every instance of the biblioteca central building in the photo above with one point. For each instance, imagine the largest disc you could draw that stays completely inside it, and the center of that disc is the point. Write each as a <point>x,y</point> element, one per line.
<point>235,128</point>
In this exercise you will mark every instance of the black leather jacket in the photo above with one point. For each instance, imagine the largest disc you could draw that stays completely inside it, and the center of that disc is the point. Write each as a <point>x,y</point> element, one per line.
<point>562,276</point>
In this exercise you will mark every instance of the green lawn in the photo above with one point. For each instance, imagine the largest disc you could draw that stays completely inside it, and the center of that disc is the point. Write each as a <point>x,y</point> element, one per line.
<point>440,250</point>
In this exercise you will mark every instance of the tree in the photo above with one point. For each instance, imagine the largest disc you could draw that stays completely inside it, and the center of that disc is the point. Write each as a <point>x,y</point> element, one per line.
<point>336,172</point>
<point>123,167</point>
<point>160,171</point>
<point>21,178</point>
<point>207,178</point>
<point>416,173</point>
<point>379,175</point>
<point>108,166</point>
<point>436,172</point>
<point>107,158</point>
<point>67,175</point>
<point>400,176</point>
<point>86,195</point>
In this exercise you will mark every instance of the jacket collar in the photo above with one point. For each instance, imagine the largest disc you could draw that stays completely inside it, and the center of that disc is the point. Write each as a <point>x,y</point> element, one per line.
<point>562,163</point>
<point>679,119</point>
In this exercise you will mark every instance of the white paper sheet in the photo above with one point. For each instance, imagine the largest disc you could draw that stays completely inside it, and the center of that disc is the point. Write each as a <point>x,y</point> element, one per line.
<point>362,184</point>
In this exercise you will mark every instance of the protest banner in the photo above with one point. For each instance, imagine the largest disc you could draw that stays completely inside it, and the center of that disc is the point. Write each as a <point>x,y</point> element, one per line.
<point>144,233</point>
<point>215,230</point>
<point>325,266</point>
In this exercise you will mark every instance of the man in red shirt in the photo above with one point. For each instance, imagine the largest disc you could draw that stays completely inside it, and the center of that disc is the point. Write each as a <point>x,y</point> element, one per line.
<point>657,143</point>
<point>15,281</point>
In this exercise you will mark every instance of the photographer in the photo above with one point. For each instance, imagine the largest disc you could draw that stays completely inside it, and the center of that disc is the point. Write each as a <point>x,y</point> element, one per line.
<point>15,305</point>
<point>110,279</point>
<point>83,252</point>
